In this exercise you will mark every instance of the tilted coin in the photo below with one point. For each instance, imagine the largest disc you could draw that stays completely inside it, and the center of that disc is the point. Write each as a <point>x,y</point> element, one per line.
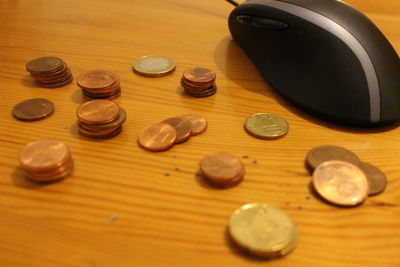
<point>266,126</point>
<point>376,178</point>
<point>263,230</point>
<point>157,137</point>
<point>98,111</point>
<point>154,66</point>
<point>340,183</point>
<point>182,127</point>
<point>199,123</point>
<point>33,109</point>
<point>320,154</point>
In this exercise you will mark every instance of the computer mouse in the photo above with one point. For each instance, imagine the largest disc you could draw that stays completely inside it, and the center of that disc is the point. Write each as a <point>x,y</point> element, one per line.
<point>324,56</point>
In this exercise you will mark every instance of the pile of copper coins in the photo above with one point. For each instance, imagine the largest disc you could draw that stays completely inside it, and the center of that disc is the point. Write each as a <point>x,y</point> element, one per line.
<point>263,230</point>
<point>33,109</point>
<point>100,84</point>
<point>199,82</point>
<point>222,170</point>
<point>161,136</point>
<point>100,118</point>
<point>340,178</point>
<point>46,160</point>
<point>49,72</point>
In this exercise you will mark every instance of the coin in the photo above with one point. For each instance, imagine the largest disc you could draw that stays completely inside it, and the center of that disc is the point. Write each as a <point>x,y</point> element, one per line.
<point>340,183</point>
<point>376,178</point>
<point>157,137</point>
<point>196,77</point>
<point>54,85</point>
<point>182,127</point>
<point>266,126</point>
<point>100,84</point>
<point>44,64</point>
<point>263,230</point>
<point>320,154</point>
<point>33,109</point>
<point>49,72</point>
<point>98,111</point>
<point>225,183</point>
<point>154,66</point>
<point>221,167</point>
<point>198,123</point>
<point>117,122</point>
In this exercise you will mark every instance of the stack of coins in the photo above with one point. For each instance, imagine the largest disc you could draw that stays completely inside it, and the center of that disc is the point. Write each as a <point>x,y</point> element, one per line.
<point>161,136</point>
<point>154,66</point>
<point>266,126</point>
<point>100,84</point>
<point>263,230</point>
<point>341,178</point>
<point>49,72</point>
<point>199,82</point>
<point>100,118</point>
<point>222,169</point>
<point>46,160</point>
<point>33,109</point>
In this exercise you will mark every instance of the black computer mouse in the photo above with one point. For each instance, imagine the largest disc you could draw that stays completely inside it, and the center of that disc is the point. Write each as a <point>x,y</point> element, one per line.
<point>323,56</point>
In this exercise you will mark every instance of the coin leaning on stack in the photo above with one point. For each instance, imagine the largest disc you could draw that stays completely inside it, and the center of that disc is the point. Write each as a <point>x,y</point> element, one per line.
<point>161,136</point>
<point>341,178</point>
<point>263,230</point>
<point>49,72</point>
<point>46,160</point>
<point>199,82</point>
<point>100,118</point>
<point>100,84</point>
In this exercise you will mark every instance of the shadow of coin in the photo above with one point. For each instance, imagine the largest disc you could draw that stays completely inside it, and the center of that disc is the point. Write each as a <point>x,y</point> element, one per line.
<point>28,81</point>
<point>77,96</point>
<point>19,179</point>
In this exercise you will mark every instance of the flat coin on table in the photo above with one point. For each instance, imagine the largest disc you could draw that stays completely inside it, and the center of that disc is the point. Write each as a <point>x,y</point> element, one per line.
<point>320,154</point>
<point>182,127</point>
<point>376,178</point>
<point>340,183</point>
<point>33,109</point>
<point>199,123</point>
<point>157,137</point>
<point>98,111</point>
<point>263,230</point>
<point>266,126</point>
<point>154,66</point>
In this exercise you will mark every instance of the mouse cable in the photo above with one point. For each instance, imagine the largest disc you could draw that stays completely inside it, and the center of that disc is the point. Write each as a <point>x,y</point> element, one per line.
<point>232,2</point>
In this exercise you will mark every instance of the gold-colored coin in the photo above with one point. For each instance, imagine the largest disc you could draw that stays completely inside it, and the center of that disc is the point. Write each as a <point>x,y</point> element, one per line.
<point>263,230</point>
<point>154,66</point>
<point>266,126</point>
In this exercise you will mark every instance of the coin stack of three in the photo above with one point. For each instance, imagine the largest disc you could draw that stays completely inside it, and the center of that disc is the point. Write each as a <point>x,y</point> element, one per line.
<point>100,84</point>
<point>100,118</point>
<point>199,82</point>
<point>49,72</point>
<point>46,160</point>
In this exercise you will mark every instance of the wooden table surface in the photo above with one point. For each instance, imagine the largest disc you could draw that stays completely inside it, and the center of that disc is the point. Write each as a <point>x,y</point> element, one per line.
<point>124,206</point>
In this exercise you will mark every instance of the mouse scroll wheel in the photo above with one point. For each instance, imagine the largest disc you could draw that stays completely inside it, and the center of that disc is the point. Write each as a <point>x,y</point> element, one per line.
<point>260,22</point>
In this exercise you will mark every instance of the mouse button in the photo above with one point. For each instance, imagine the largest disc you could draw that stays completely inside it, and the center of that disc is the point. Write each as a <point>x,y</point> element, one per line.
<point>244,19</point>
<point>270,24</point>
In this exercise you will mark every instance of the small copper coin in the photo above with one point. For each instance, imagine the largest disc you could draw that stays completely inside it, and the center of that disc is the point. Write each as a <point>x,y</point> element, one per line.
<point>33,109</point>
<point>115,123</point>
<point>98,111</point>
<point>97,79</point>
<point>195,76</point>
<point>44,64</point>
<point>221,167</point>
<point>199,123</point>
<point>182,127</point>
<point>340,183</point>
<point>226,183</point>
<point>43,155</point>
<point>54,85</point>
<point>320,154</point>
<point>157,137</point>
<point>376,178</point>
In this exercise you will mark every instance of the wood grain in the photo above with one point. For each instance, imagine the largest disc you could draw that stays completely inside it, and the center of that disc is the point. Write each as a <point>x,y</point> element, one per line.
<point>128,207</point>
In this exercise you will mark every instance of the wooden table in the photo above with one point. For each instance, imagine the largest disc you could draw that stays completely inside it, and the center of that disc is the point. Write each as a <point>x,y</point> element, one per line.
<point>124,206</point>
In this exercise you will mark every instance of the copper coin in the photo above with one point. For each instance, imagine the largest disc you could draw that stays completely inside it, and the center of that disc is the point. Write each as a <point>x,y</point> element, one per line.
<point>196,76</point>
<point>98,111</point>
<point>182,127</point>
<point>110,96</point>
<point>97,79</point>
<point>195,88</point>
<point>157,137</point>
<point>66,76</point>
<point>376,178</point>
<point>102,94</point>
<point>105,133</point>
<point>340,183</point>
<point>226,183</point>
<point>97,130</point>
<point>117,122</point>
<point>320,154</point>
<point>52,176</point>
<point>33,109</point>
<point>54,85</point>
<point>198,123</point>
<point>204,93</point>
<point>44,75</point>
<point>221,167</point>
<point>43,155</point>
<point>44,64</point>
<point>53,172</point>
